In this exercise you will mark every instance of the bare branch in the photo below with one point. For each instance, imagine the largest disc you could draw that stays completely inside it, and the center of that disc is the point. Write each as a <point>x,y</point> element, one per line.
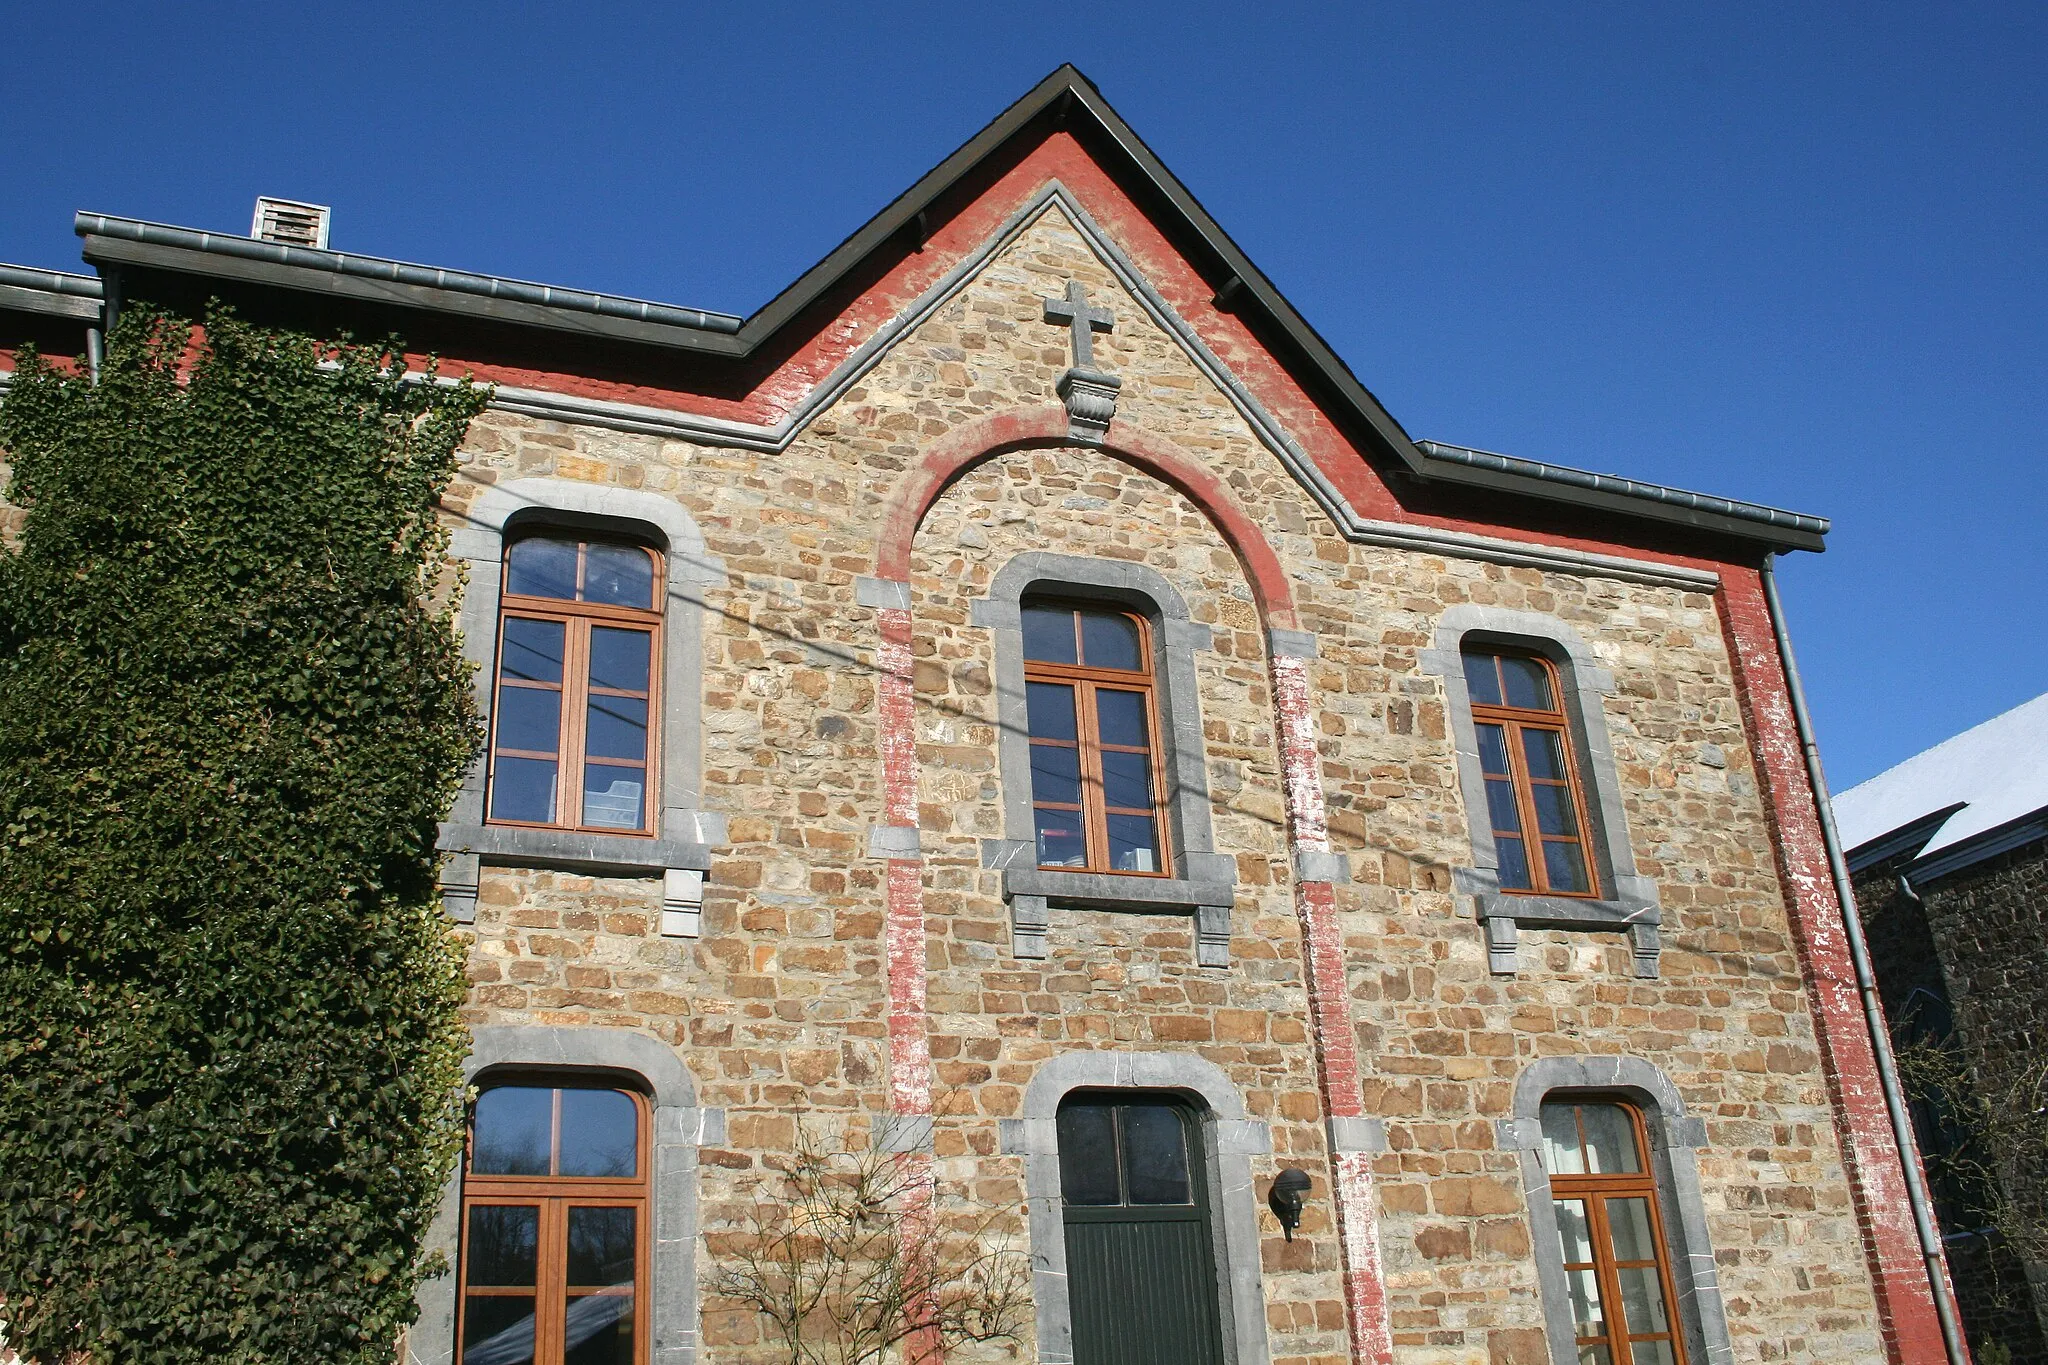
<point>850,1256</point>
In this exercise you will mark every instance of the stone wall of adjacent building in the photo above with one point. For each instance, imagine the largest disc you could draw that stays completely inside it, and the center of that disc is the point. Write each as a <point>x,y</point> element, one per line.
<point>1964,965</point>
<point>779,1009</point>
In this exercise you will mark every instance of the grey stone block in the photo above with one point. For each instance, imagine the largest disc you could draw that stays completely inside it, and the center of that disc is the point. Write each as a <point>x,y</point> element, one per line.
<point>1349,1134</point>
<point>1313,866</point>
<point>882,594</point>
<point>894,841</point>
<point>1291,644</point>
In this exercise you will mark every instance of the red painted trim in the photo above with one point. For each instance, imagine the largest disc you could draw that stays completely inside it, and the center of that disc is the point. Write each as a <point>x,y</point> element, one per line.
<point>1877,1181</point>
<point>969,444</point>
<point>1332,1029</point>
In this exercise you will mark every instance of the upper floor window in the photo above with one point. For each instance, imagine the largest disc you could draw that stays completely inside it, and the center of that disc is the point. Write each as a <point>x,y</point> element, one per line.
<point>1617,1273</point>
<point>1097,786</point>
<point>1533,796</point>
<point>579,633</point>
<point>554,1228</point>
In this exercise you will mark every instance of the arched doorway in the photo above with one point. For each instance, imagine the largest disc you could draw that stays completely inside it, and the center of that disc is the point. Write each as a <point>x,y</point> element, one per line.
<point>1141,1258</point>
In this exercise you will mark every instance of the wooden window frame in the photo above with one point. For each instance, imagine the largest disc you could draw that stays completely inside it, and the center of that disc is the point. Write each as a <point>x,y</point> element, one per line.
<point>1594,1191</point>
<point>1514,721</point>
<point>1088,739</point>
<point>578,619</point>
<point>554,1194</point>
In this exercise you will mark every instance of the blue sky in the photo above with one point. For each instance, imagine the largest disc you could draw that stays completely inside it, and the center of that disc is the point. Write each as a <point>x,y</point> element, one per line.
<point>1793,253</point>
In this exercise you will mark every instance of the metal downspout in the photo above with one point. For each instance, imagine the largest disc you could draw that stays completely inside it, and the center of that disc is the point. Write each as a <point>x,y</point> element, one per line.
<point>1866,987</point>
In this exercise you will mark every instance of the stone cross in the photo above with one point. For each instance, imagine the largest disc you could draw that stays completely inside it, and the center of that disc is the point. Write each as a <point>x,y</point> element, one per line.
<point>1085,321</point>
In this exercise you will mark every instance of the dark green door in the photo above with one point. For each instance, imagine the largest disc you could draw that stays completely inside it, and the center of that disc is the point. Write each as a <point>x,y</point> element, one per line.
<point>1141,1270</point>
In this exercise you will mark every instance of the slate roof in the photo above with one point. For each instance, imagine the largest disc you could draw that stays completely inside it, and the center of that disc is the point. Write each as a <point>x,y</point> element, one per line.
<point>1970,797</point>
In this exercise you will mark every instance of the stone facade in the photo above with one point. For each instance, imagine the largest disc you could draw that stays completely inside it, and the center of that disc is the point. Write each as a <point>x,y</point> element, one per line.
<point>780,1009</point>
<point>854,972</point>
<point>1963,962</point>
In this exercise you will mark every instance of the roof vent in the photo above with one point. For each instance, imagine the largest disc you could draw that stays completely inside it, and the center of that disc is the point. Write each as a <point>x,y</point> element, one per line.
<point>291,223</point>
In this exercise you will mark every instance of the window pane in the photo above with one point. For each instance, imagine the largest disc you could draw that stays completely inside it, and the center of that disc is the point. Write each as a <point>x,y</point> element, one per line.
<point>1493,750</point>
<point>1126,780</point>
<point>1587,1320</point>
<point>1574,1234</point>
<point>1155,1155</point>
<point>620,575</point>
<point>1087,1138</point>
<point>1482,679</point>
<point>539,567</point>
<point>1133,844</point>
<point>1514,864</point>
<point>601,1247</point>
<point>533,650</point>
<point>1528,683</point>
<point>1561,1154</point>
<point>1121,716</point>
<point>1629,1221</point>
<point>1056,773</point>
<point>1564,867</point>
<point>1544,753</point>
<point>514,1127</point>
<point>523,789</point>
<point>1500,805</point>
<point>1109,641</point>
<point>616,728</point>
<point>618,659</point>
<point>614,797</point>
<point>504,1242</point>
<point>599,1330</point>
<point>1052,710</point>
<point>600,1136</point>
<point>1595,1355</point>
<point>1554,812</point>
<point>1651,1353</point>
<point>1049,634</point>
<point>1060,840</point>
<point>1642,1298</point>
<point>1610,1139</point>
<point>497,1329</point>
<point>529,718</point>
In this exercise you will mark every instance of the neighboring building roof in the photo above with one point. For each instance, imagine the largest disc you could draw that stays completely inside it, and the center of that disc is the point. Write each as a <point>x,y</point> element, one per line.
<point>1973,796</point>
<point>1065,100</point>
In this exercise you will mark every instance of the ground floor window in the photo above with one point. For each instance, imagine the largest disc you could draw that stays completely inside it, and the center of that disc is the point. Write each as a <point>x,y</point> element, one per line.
<point>553,1261</point>
<point>1604,1197</point>
<point>1141,1258</point>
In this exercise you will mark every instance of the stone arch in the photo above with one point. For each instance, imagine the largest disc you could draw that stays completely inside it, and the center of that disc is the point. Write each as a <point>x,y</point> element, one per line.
<point>972,443</point>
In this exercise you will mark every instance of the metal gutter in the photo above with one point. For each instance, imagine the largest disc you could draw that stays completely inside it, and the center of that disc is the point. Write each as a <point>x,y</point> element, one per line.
<point>1905,839</point>
<point>383,270</point>
<point>52,293</point>
<point>1734,509</point>
<point>1979,848</point>
<point>1866,987</point>
<point>51,281</point>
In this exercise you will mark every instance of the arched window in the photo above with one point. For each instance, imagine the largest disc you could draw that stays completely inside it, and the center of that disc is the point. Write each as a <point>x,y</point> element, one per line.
<point>554,1255</point>
<point>1098,790</point>
<point>579,638</point>
<point>1604,1196</point>
<point>1533,797</point>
